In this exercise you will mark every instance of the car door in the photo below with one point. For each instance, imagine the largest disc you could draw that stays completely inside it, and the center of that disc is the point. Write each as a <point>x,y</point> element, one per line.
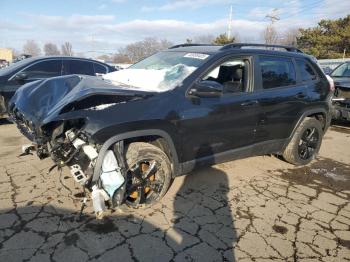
<point>76,66</point>
<point>213,125</point>
<point>35,71</point>
<point>282,98</point>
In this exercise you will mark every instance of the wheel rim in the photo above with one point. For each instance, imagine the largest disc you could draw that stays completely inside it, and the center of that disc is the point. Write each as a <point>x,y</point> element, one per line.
<point>144,182</point>
<point>308,143</point>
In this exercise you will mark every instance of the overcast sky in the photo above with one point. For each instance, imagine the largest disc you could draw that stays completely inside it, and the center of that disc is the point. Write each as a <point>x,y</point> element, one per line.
<point>106,25</point>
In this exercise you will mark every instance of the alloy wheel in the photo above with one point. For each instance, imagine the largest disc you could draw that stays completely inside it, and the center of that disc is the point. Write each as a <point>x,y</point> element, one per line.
<point>308,143</point>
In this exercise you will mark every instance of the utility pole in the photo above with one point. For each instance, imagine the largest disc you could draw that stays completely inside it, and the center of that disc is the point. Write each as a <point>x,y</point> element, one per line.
<point>270,37</point>
<point>229,29</point>
<point>273,16</point>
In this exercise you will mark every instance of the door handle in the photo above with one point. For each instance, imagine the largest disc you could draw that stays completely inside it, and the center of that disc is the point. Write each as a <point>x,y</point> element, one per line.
<point>300,95</point>
<point>249,103</point>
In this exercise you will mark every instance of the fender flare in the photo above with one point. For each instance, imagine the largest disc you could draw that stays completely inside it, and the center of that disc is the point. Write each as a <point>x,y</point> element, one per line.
<point>303,116</point>
<point>135,134</point>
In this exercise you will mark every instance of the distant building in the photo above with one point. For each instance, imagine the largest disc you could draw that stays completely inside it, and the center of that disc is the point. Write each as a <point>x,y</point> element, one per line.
<point>6,54</point>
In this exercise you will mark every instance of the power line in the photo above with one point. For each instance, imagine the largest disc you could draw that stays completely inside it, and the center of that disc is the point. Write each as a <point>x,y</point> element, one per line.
<point>304,8</point>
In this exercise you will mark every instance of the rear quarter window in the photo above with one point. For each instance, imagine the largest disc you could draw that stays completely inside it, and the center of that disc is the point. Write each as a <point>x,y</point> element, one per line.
<point>277,72</point>
<point>307,73</point>
<point>100,69</point>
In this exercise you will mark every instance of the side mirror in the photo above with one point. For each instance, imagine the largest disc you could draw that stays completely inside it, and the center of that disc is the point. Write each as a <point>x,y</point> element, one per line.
<point>21,76</point>
<point>206,89</point>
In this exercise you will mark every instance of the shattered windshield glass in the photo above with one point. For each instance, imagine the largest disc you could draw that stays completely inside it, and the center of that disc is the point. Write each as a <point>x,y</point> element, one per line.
<point>160,72</point>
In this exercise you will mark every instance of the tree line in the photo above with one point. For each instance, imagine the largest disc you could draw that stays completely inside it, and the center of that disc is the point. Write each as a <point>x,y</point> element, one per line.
<point>32,48</point>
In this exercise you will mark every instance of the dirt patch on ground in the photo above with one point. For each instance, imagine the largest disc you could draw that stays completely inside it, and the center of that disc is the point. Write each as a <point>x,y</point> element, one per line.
<point>323,173</point>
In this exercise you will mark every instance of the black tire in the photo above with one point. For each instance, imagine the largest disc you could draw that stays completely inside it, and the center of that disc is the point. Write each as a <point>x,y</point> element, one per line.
<point>305,143</point>
<point>138,155</point>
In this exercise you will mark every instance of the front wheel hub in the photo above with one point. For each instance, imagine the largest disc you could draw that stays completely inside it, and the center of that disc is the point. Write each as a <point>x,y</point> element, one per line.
<point>308,143</point>
<point>144,184</point>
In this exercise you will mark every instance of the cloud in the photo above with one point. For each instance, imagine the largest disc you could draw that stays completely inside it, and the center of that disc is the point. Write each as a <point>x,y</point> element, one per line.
<point>9,26</point>
<point>178,4</point>
<point>331,9</point>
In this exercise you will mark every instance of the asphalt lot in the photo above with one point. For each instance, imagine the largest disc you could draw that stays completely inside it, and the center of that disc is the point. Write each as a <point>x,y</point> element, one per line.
<point>255,209</point>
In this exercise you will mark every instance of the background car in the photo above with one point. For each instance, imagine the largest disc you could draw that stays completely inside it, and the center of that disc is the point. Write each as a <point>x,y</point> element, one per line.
<point>3,63</point>
<point>341,100</point>
<point>31,69</point>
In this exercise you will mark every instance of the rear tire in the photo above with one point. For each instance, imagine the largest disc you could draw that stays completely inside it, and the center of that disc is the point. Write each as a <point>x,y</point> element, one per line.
<point>305,143</point>
<point>143,189</point>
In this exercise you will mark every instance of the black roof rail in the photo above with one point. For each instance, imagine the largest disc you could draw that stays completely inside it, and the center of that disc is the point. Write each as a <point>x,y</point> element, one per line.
<point>189,44</point>
<point>240,45</point>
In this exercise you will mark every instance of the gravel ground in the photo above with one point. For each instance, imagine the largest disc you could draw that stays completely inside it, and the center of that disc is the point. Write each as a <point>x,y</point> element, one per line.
<point>255,209</point>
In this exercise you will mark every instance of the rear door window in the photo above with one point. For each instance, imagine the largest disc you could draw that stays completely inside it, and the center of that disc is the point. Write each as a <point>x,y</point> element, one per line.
<point>307,73</point>
<point>277,72</point>
<point>80,67</point>
<point>44,69</point>
<point>100,69</point>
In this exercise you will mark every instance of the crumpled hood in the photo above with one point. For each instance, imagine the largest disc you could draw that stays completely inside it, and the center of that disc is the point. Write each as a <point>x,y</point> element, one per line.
<point>43,99</point>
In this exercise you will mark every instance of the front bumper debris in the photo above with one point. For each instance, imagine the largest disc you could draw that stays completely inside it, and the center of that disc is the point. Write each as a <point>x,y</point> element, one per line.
<point>341,109</point>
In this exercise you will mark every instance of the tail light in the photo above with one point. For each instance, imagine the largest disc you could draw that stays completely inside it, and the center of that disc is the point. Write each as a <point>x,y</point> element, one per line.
<point>331,83</point>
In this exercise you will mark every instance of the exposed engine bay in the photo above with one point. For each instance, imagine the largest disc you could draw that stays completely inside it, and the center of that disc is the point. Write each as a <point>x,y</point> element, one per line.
<point>71,148</point>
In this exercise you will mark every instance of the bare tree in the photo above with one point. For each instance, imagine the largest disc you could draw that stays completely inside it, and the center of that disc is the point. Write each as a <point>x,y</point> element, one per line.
<point>121,59</point>
<point>67,49</point>
<point>51,49</point>
<point>139,50</point>
<point>31,48</point>
<point>289,37</point>
<point>15,52</point>
<point>270,35</point>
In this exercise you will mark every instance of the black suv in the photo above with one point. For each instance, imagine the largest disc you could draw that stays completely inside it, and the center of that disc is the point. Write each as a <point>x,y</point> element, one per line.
<point>31,69</point>
<point>185,107</point>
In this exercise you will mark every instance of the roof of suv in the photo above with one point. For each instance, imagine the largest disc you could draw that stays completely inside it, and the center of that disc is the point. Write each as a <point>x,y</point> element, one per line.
<point>237,48</point>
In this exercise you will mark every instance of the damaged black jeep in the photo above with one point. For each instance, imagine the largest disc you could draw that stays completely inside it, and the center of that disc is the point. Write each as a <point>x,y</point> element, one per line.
<point>126,136</point>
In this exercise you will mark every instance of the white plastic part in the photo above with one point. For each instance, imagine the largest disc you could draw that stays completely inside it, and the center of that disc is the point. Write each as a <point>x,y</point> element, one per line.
<point>78,143</point>
<point>90,151</point>
<point>78,174</point>
<point>111,177</point>
<point>98,202</point>
<point>70,134</point>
